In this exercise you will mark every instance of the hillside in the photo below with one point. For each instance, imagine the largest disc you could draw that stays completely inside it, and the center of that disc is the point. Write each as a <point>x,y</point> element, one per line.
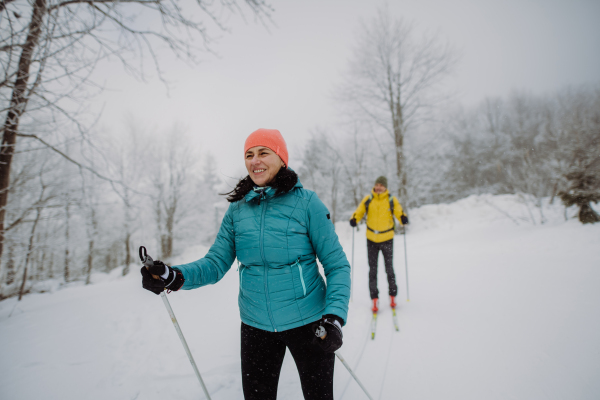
<point>500,308</point>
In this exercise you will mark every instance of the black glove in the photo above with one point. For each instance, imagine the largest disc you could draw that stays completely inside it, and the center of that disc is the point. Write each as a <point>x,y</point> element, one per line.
<point>353,222</point>
<point>328,325</point>
<point>173,282</point>
<point>149,283</point>
<point>404,219</point>
<point>159,268</point>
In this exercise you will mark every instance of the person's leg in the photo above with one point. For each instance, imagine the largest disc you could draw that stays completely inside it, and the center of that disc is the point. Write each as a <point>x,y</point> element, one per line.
<point>262,357</point>
<point>387,248</point>
<point>372,254</point>
<point>314,365</point>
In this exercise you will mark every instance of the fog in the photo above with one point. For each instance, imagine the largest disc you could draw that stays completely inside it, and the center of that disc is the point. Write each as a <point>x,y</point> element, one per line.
<point>281,74</point>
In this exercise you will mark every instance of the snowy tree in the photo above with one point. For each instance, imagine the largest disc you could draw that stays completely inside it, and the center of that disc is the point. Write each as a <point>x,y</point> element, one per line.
<point>535,146</point>
<point>394,81</point>
<point>584,188</point>
<point>210,204</point>
<point>583,174</point>
<point>172,183</point>
<point>51,48</point>
<point>340,168</point>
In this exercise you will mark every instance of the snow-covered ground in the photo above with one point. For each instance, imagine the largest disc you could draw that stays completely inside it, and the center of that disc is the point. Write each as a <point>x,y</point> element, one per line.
<point>499,308</point>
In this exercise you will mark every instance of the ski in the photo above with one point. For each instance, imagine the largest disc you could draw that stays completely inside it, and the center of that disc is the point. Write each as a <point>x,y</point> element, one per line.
<point>395,319</point>
<point>373,325</point>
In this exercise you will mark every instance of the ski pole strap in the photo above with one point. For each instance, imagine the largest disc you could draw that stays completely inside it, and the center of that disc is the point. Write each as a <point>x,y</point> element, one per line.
<point>146,260</point>
<point>143,253</point>
<point>378,232</point>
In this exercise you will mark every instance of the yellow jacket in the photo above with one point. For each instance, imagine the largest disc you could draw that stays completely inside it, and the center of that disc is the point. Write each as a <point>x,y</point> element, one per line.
<point>379,217</point>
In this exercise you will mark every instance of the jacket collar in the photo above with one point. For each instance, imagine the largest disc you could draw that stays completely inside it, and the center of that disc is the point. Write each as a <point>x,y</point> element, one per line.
<point>269,191</point>
<point>378,196</point>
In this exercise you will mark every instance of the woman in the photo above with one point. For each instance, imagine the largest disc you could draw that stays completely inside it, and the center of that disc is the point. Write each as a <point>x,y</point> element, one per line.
<point>276,229</point>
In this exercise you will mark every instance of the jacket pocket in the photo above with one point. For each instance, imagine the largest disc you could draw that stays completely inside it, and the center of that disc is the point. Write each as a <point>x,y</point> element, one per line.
<point>242,268</point>
<point>298,266</point>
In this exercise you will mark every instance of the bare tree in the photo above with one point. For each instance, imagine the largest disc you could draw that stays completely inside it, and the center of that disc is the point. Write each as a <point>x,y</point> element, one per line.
<point>130,169</point>
<point>210,200</point>
<point>331,167</point>
<point>37,205</point>
<point>67,241</point>
<point>92,237</point>
<point>394,81</point>
<point>47,60</point>
<point>171,187</point>
<point>30,250</point>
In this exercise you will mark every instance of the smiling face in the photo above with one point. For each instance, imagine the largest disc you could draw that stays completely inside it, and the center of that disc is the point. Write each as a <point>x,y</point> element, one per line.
<point>262,164</point>
<point>379,188</point>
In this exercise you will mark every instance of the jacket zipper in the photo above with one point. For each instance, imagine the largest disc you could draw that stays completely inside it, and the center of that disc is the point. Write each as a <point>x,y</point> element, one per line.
<point>262,254</point>
<point>301,276</point>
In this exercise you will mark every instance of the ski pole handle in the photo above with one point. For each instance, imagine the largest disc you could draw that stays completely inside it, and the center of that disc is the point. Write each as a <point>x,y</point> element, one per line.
<point>321,333</point>
<point>147,261</point>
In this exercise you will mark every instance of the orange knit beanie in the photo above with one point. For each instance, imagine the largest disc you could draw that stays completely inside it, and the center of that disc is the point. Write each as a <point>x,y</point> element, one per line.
<point>270,138</point>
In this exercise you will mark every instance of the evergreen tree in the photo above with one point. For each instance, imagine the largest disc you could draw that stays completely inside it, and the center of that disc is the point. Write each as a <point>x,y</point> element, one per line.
<point>583,189</point>
<point>582,185</point>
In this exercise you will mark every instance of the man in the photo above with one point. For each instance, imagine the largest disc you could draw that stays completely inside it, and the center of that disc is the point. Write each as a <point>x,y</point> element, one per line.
<point>380,209</point>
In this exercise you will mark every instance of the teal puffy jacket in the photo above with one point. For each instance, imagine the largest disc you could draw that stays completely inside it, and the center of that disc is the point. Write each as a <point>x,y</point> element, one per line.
<point>277,238</point>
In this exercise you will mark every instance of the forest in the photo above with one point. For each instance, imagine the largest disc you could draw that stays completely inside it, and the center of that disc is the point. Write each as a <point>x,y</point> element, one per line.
<point>77,199</point>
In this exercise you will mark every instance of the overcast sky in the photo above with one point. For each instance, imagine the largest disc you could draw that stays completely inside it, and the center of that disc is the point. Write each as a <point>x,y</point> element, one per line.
<point>283,77</point>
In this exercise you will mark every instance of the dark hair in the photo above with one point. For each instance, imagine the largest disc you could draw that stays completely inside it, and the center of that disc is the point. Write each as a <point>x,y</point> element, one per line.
<point>284,181</point>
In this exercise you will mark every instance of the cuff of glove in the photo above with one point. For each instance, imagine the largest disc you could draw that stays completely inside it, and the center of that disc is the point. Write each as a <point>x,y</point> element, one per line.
<point>334,318</point>
<point>174,280</point>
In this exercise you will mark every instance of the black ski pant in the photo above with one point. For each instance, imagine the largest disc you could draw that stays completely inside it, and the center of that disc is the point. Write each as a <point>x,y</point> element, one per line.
<point>387,248</point>
<point>262,357</point>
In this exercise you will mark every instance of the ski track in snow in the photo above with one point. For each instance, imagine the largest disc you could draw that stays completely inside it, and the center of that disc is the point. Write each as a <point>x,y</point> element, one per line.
<point>500,308</point>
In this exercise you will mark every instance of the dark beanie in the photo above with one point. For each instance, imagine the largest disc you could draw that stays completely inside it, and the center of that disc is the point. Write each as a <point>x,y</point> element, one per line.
<point>383,180</point>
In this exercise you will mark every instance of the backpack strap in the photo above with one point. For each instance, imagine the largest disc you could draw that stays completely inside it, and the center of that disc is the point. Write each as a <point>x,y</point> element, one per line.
<point>391,210</point>
<point>371,198</point>
<point>367,204</point>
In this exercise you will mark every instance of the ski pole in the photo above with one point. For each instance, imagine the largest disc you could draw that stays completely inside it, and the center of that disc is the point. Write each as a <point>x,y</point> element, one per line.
<point>147,261</point>
<point>322,333</point>
<point>406,263</point>
<point>339,356</point>
<point>352,269</point>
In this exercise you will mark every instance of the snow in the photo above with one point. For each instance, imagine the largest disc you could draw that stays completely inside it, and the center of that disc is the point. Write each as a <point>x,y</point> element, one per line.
<point>500,308</point>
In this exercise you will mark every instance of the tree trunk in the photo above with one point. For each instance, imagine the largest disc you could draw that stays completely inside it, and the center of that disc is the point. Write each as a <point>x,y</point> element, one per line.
<point>90,261</point>
<point>41,263</point>
<point>334,198</point>
<point>397,114</point>
<point>128,223</point>
<point>127,253</point>
<point>400,171</point>
<point>587,215</point>
<point>10,266</point>
<point>167,239</point>
<point>67,242</point>
<point>23,283</point>
<point>17,106</point>
<point>51,266</point>
<point>29,251</point>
